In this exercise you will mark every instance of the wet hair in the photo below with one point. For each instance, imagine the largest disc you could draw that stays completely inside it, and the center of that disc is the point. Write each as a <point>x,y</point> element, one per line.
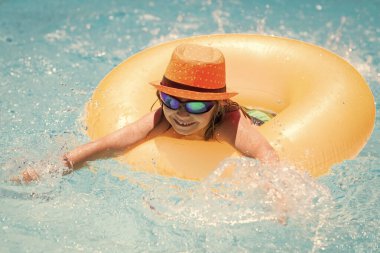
<point>222,107</point>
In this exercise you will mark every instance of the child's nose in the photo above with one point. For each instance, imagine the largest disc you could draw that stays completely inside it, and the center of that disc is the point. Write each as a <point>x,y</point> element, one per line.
<point>182,111</point>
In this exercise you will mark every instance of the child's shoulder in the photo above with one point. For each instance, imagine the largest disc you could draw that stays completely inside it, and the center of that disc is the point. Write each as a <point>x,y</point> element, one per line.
<point>231,120</point>
<point>232,115</point>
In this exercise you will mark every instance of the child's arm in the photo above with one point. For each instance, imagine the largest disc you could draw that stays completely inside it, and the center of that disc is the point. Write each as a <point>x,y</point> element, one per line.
<point>244,136</point>
<point>119,140</point>
<point>142,130</point>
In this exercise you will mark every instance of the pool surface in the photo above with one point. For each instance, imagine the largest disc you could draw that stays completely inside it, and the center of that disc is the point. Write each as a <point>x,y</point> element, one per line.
<point>52,56</point>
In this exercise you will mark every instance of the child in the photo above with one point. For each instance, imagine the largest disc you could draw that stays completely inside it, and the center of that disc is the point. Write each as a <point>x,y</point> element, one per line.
<point>194,104</point>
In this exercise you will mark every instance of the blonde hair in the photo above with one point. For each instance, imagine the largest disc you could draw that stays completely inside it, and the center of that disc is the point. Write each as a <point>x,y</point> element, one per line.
<point>223,107</point>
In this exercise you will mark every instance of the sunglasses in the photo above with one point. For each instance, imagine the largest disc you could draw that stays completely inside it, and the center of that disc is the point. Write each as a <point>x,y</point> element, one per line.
<point>193,107</point>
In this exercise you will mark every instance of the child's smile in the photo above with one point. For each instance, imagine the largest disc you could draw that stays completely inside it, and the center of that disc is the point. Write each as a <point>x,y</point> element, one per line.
<point>183,123</point>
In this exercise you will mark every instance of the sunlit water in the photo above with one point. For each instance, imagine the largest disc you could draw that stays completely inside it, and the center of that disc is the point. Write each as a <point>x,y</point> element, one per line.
<point>53,54</point>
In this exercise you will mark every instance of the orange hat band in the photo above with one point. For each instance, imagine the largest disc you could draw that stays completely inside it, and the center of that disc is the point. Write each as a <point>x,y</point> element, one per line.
<point>169,83</point>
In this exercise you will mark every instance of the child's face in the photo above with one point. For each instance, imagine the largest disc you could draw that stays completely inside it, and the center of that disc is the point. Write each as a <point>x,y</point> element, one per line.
<point>186,123</point>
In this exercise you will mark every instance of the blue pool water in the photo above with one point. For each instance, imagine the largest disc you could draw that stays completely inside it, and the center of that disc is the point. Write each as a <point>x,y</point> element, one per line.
<point>53,54</point>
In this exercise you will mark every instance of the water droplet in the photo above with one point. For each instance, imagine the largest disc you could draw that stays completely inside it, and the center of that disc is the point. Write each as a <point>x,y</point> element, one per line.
<point>318,7</point>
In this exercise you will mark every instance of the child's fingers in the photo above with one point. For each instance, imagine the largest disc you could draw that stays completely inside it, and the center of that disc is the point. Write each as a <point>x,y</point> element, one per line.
<point>29,175</point>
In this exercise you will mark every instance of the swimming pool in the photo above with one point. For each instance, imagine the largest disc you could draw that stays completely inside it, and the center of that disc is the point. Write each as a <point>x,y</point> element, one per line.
<point>53,54</point>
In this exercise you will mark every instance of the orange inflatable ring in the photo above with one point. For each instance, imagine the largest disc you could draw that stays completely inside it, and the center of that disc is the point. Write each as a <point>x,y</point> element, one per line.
<point>325,110</point>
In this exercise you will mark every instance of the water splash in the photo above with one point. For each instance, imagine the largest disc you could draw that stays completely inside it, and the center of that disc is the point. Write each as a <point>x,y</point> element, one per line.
<point>254,195</point>
<point>265,193</point>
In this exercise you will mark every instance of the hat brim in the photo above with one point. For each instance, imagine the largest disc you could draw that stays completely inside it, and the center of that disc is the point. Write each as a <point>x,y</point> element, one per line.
<point>193,95</point>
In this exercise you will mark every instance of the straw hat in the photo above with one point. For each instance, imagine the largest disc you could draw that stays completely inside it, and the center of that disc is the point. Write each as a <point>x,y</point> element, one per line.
<point>195,72</point>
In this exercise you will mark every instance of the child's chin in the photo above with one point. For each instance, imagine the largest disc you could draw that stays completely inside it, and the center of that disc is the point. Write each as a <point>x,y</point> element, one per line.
<point>183,132</point>
<point>187,130</point>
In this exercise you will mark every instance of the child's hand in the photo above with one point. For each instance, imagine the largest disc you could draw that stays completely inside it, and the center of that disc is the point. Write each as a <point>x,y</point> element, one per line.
<point>36,171</point>
<point>27,176</point>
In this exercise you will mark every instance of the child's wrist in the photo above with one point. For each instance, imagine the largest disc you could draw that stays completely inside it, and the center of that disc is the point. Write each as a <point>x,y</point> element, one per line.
<point>68,162</point>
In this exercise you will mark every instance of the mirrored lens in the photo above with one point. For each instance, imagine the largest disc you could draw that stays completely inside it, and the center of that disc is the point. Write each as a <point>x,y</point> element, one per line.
<point>198,107</point>
<point>169,101</point>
